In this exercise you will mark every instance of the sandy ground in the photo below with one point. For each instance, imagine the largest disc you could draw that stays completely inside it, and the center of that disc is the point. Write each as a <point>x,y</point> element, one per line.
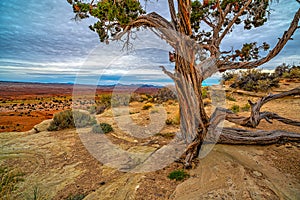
<point>60,165</point>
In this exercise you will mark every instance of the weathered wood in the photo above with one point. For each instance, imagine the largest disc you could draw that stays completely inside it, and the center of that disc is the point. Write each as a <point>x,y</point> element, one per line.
<point>246,137</point>
<point>256,116</point>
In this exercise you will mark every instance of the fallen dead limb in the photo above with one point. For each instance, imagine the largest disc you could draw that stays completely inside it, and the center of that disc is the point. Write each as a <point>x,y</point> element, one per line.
<point>256,116</point>
<point>261,137</point>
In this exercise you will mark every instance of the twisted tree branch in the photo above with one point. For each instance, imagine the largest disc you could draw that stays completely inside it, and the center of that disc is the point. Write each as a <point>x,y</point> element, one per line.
<point>230,24</point>
<point>156,21</point>
<point>227,65</point>
<point>173,14</point>
<point>256,116</point>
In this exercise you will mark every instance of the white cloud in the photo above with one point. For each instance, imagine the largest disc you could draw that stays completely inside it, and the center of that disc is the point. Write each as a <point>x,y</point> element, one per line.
<point>49,46</point>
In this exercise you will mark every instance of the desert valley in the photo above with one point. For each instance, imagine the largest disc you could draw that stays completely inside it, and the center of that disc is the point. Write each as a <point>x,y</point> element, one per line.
<point>40,164</point>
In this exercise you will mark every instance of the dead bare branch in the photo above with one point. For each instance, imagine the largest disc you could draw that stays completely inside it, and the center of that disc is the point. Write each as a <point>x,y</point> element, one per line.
<point>256,116</point>
<point>241,136</point>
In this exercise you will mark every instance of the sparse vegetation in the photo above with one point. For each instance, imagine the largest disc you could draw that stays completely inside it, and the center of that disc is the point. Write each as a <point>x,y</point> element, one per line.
<point>205,92</point>
<point>246,107</point>
<point>147,106</point>
<point>165,94</point>
<point>102,128</point>
<point>9,178</point>
<point>68,119</point>
<point>169,121</point>
<point>256,80</point>
<point>173,121</point>
<point>230,98</point>
<point>251,80</point>
<point>287,71</point>
<point>178,175</point>
<point>235,108</point>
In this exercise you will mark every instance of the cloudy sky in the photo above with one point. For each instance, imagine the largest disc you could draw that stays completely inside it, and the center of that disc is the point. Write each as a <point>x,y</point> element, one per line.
<point>39,42</point>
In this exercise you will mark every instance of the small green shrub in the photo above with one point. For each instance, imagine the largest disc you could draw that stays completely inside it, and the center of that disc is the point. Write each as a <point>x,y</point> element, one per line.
<point>178,175</point>
<point>147,106</point>
<point>68,119</point>
<point>263,85</point>
<point>246,107</point>
<point>287,71</point>
<point>169,121</point>
<point>105,99</point>
<point>230,98</point>
<point>235,108</point>
<point>92,109</point>
<point>102,128</point>
<point>205,92</point>
<point>251,80</point>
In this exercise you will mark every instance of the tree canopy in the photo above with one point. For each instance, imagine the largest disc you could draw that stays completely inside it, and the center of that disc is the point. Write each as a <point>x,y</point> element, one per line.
<point>206,22</point>
<point>196,30</point>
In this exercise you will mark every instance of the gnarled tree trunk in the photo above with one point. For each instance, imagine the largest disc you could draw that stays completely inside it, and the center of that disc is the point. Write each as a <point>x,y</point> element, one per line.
<point>193,118</point>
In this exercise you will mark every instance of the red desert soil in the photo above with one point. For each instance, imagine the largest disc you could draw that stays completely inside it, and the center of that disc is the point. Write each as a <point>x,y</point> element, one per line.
<point>24,119</point>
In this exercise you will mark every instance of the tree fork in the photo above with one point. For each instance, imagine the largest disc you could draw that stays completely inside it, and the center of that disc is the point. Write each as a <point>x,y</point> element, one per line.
<point>256,116</point>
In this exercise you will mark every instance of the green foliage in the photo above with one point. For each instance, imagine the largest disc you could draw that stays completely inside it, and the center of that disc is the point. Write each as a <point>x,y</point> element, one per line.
<point>147,106</point>
<point>252,80</point>
<point>246,107</point>
<point>178,175</point>
<point>286,71</point>
<point>68,119</point>
<point>9,178</point>
<point>102,128</point>
<point>105,100</point>
<point>235,108</point>
<point>112,15</point>
<point>252,17</point>
<point>204,92</point>
<point>82,119</point>
<point>169,121</point>
<point>92,109</point>
<point>230,98</point>
<point>250,51</point>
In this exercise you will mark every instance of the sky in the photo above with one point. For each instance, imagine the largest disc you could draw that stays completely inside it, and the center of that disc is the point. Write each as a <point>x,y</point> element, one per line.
<point>39,42</point>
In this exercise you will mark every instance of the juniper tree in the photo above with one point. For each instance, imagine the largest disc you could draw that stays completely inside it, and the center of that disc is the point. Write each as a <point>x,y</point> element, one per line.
<point>206,24</point>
